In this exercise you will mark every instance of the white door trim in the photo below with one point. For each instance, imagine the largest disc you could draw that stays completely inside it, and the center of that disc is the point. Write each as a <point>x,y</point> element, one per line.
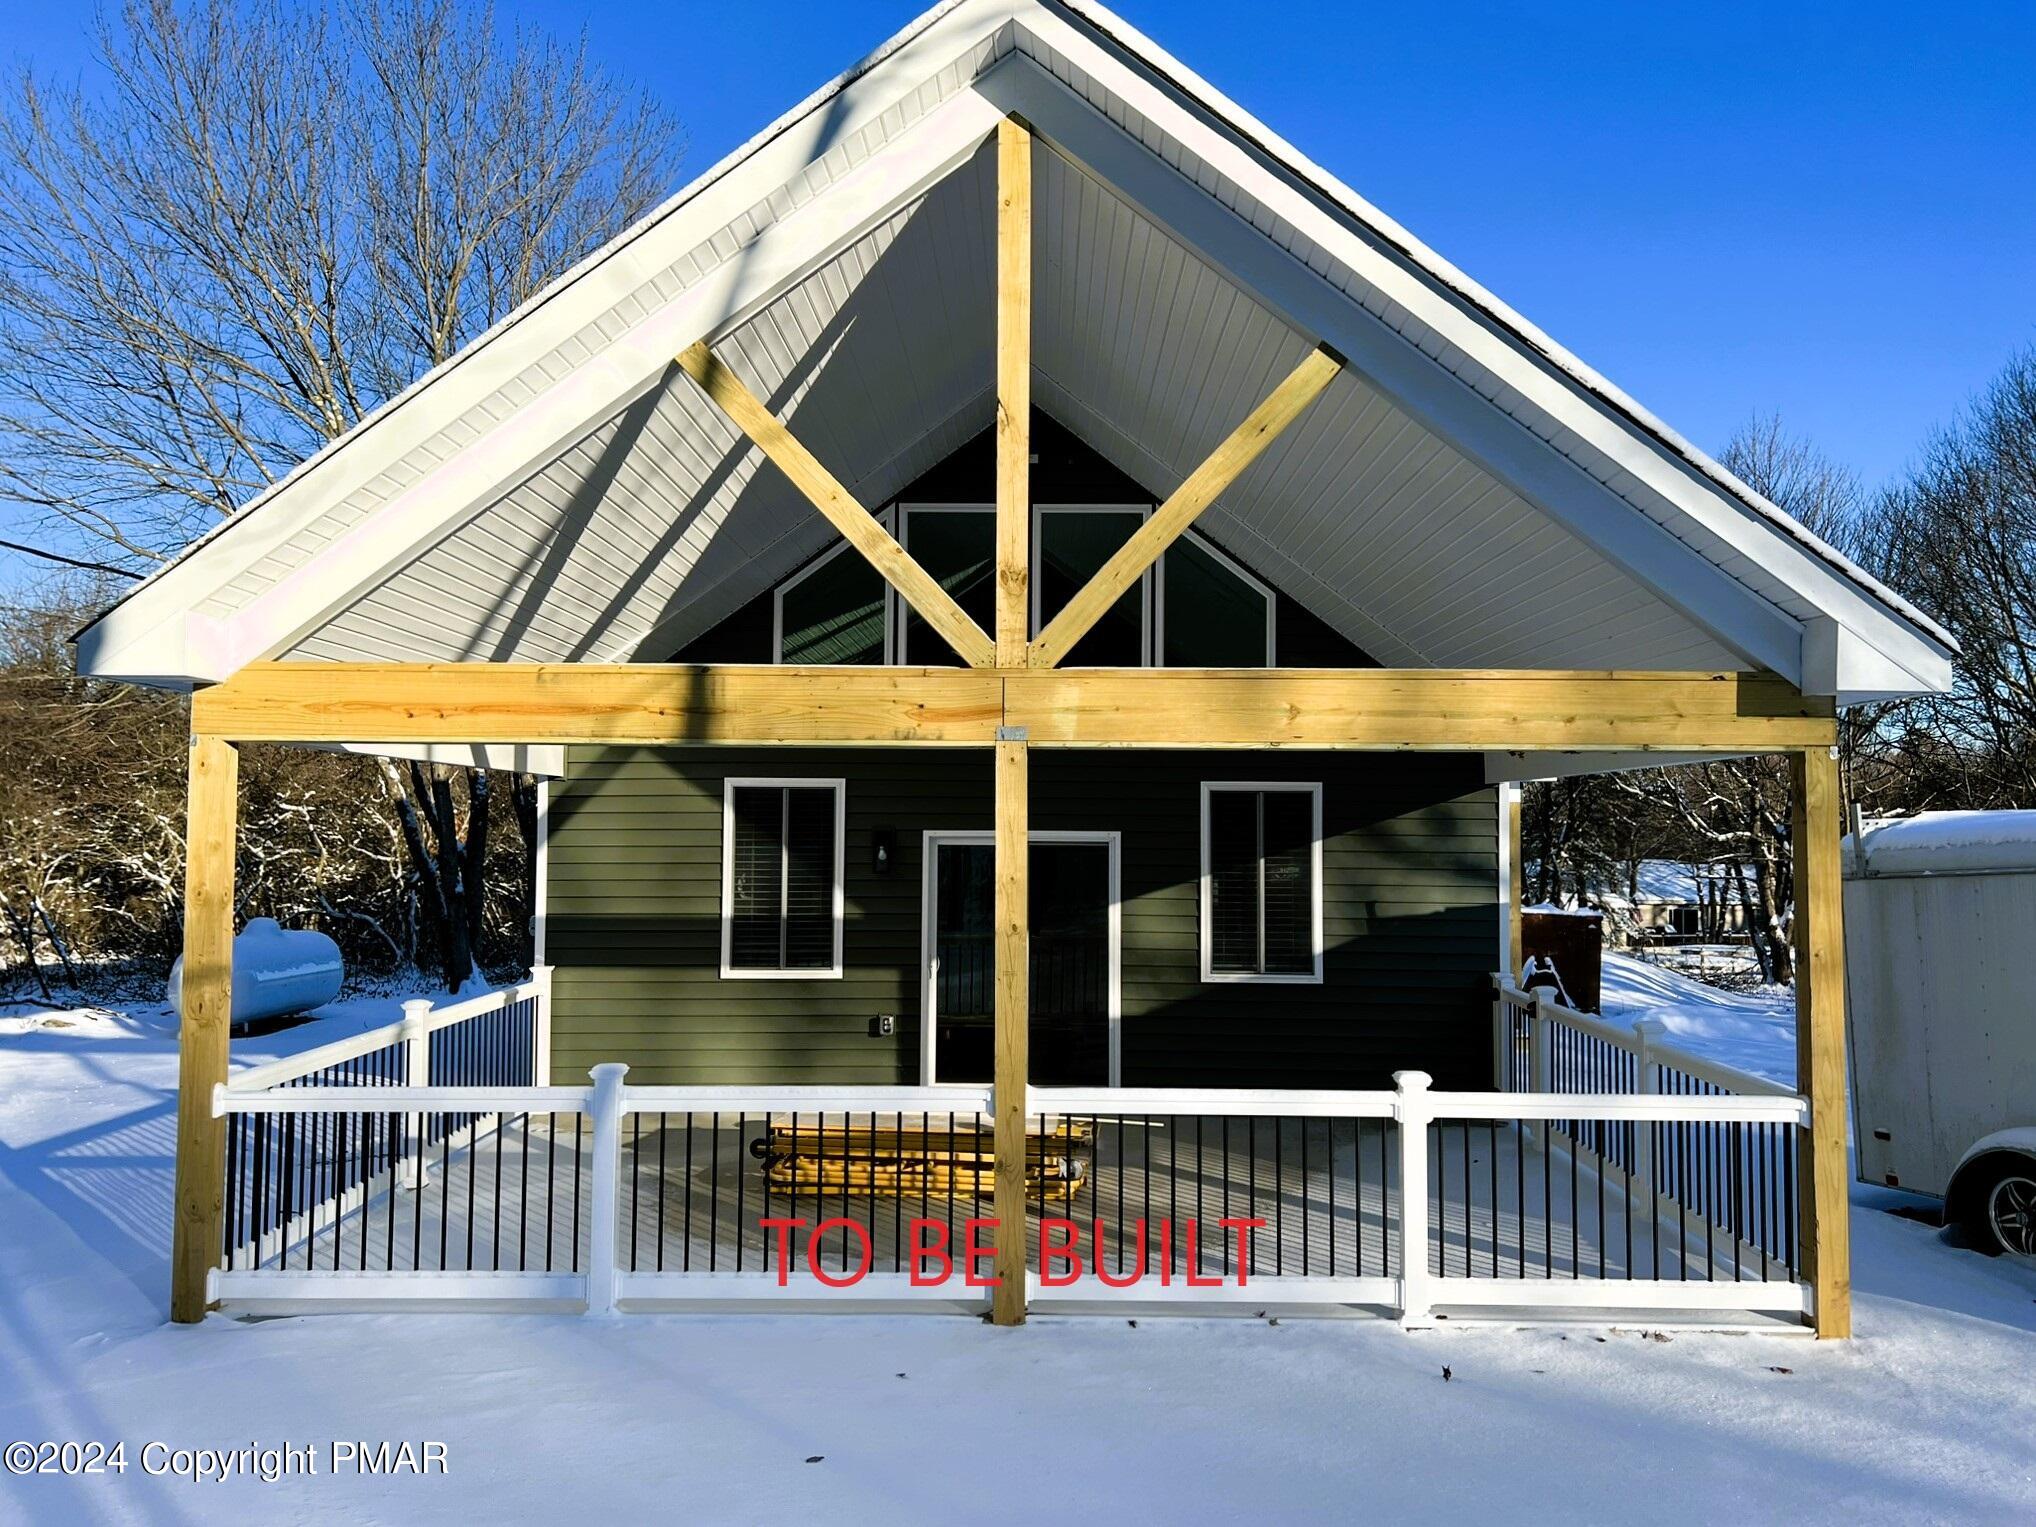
<point>931,842</point>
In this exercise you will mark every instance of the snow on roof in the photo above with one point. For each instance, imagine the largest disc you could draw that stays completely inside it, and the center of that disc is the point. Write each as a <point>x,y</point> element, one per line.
<point>1661,880</point>
<point>1670,880</point>
<point>1946,843</point>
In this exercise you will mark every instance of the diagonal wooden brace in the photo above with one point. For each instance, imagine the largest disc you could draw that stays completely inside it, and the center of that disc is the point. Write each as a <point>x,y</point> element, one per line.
<point>1224,465</point>
<point>914,584</point>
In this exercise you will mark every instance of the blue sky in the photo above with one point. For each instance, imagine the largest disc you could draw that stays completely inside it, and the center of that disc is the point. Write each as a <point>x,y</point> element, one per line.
<point>1823,210</point>
<point>1819,210</point>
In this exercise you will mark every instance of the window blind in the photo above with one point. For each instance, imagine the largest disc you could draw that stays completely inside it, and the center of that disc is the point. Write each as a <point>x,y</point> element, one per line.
<point>781,900</point>
<point>1261,882</point>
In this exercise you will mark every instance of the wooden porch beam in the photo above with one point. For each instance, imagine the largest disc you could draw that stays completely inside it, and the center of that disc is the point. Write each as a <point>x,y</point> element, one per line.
<point>1819,936</point>
<point>914,584</point>
<point>646,704</point>
<point>1013,1024</point>
<point>1014,390</point>
<point>1418,709</point>
<point>204,1034</point>
<point>623,703</point>
<point>1223,466</point>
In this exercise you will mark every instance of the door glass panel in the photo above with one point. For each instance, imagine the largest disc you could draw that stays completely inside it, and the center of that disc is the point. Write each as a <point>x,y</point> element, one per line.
<point>1070,975</point>
<point>958,547</point>
<point>1070,966</point>
<point>964,987</point>
<point>1073,546</point>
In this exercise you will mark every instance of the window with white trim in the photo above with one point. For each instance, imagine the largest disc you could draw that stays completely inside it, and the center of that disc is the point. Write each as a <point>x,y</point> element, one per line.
<point>1070,544</point>
<point>781,877</point>
<point>957,545</point>
<point>1212,613</point>
<point>1262,881</point>
<point>838,610</point>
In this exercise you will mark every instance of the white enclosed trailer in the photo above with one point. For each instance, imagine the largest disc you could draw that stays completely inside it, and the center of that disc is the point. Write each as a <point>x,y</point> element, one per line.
<point>1940,913</point>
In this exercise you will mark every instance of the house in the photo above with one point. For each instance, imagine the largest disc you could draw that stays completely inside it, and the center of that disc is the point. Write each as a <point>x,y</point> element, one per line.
<point>1018,502</point>
<point>1667,901</point>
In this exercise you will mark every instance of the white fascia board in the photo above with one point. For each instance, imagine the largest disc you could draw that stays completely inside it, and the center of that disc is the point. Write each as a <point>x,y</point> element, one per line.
<point>1837,661</point>
<point>1764,634</point>
<point>147,636</point>
<point>1529,334</point>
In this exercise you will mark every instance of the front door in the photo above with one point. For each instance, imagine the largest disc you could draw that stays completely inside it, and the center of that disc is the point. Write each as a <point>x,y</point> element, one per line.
<point>1074,959</point>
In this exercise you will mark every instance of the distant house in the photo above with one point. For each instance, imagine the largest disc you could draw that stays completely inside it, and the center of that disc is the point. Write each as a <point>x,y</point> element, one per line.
<point>1669,900</point>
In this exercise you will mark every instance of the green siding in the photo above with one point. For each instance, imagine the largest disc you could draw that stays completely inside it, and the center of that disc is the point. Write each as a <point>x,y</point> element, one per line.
<point>1410,917</point>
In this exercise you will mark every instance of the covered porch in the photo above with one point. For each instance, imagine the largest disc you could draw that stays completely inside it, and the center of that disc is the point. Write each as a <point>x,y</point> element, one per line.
<point>1551,580</point>
<point>1593,1176</point>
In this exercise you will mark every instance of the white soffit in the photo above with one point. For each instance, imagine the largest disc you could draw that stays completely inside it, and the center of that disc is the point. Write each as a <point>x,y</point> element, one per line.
<point>880,359</point>
<point>1381,526</point>
<point>1466,495</point>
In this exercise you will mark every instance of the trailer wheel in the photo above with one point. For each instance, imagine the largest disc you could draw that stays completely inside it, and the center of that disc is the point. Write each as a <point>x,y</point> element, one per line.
<point>2003,1213</point>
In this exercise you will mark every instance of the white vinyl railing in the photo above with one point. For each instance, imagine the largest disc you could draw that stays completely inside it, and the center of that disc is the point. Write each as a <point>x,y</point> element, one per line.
<point>608,1197</point>
<point>1706,1176</point>
<point>405,1044</point>
<point>291,1168</point>
<point>1540,1045</point>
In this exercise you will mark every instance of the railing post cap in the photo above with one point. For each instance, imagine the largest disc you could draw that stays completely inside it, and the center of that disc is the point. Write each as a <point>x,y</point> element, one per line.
<point>1412,1081</point>
<point>1649,1028</point>
<point>416,1019</point>
<point>608,1073</point>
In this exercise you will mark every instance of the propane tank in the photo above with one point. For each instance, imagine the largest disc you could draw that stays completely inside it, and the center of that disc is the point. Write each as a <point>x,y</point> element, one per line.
<point>277,971</point>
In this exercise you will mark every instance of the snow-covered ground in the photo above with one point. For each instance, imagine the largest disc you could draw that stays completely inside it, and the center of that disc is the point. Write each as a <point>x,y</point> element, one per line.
<point>1753,1030</point>
<point>1929,1415</point>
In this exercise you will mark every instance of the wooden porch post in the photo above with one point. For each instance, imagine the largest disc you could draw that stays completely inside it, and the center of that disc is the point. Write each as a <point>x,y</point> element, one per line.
<point>1014,559</point>
<point>1014,390</point>
<point>1516,877</point>
<point>207,1015</point>
<point>1820,1036</point>
<point>1012,1017</point>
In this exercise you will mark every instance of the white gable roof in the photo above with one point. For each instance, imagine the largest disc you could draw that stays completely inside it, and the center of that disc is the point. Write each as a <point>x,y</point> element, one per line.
<point>1467,494</point>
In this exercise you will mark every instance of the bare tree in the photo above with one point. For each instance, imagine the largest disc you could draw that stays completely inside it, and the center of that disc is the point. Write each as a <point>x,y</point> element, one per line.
<point>92,832</point>
<point>258,223</point>
<point>1732,814</point>
<point>1818,493</point>
<point>254,222</point>
<point>1961,534</point>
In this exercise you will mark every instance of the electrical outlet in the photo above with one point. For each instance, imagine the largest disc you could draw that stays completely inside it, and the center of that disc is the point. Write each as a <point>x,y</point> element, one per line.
<point>884,1026</point>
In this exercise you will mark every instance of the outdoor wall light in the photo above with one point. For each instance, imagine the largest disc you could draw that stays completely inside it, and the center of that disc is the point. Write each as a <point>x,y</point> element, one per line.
<point>883,849</point>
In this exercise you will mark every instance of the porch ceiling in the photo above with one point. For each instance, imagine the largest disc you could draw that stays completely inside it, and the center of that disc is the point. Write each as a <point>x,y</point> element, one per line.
<point>664,520</point>
<point>1464,495</point>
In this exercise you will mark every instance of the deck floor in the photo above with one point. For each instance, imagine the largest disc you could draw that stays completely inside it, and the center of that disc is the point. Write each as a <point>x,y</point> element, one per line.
<point>519,1198</point>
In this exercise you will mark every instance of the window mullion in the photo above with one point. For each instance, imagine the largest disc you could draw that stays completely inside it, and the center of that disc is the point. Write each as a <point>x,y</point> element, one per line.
<point>1258,798</point>
<point>784,878</point>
